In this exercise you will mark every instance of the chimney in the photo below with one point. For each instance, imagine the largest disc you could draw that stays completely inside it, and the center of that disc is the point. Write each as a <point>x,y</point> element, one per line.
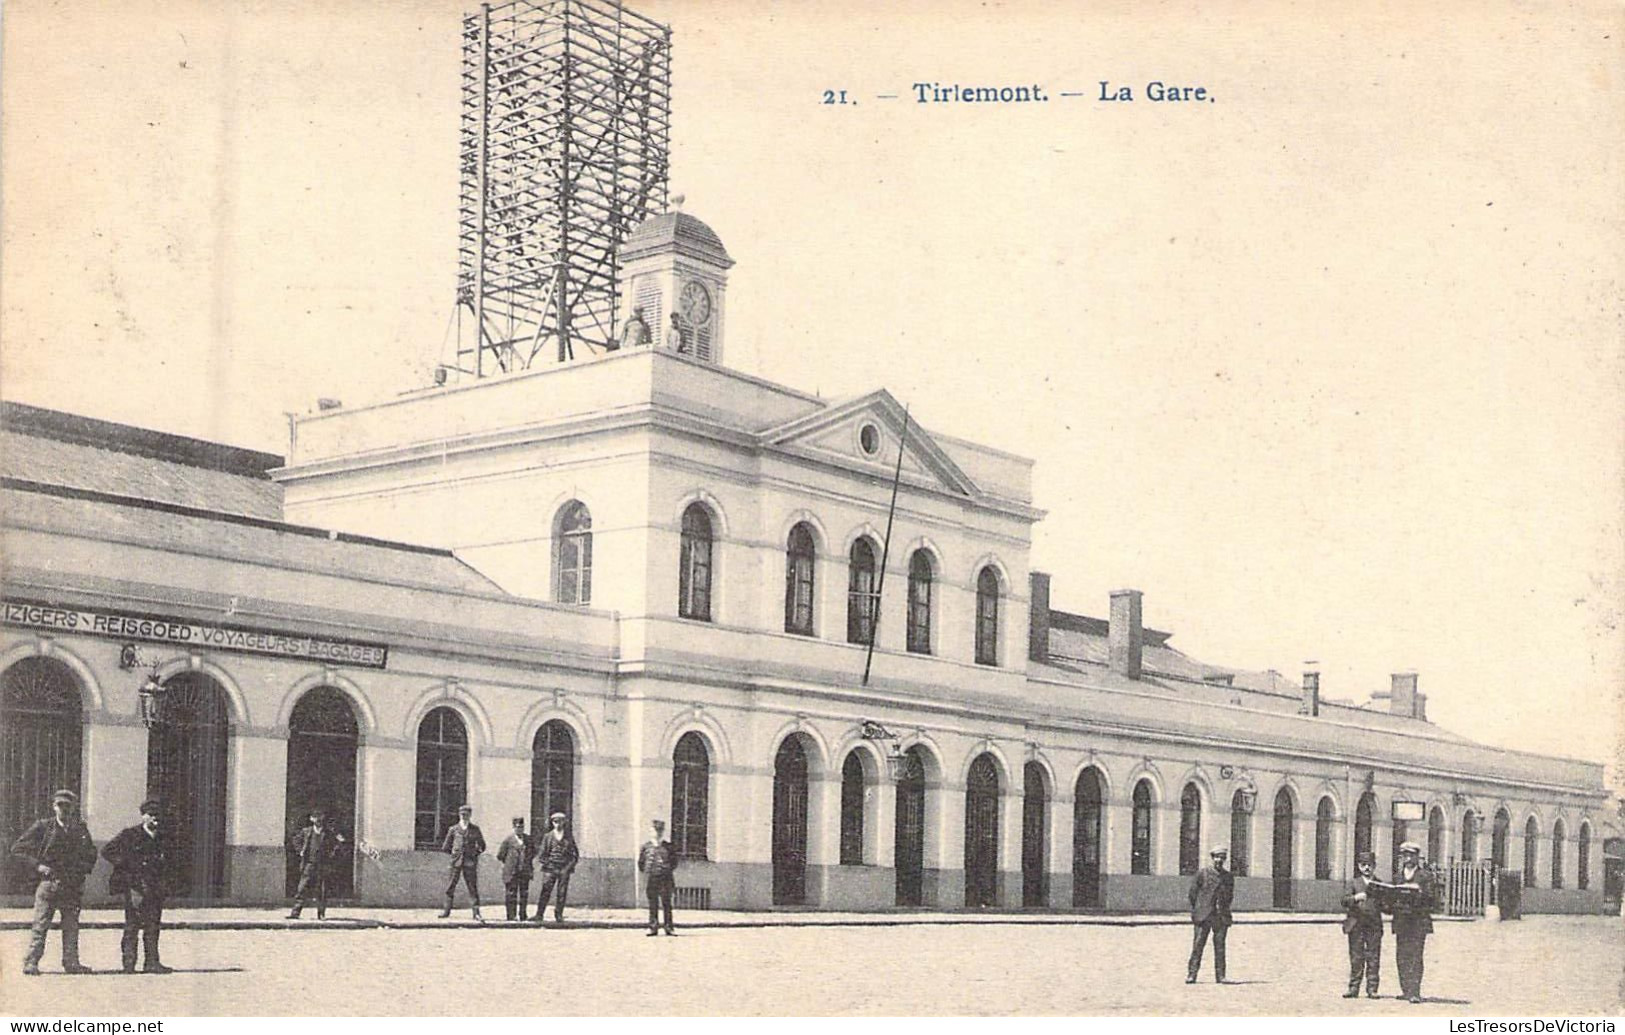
<point>1037,616</point>
<point>1422,707</point>
<point>1402,696</point>
<point>1125,636</point>
<point>1311,693</point>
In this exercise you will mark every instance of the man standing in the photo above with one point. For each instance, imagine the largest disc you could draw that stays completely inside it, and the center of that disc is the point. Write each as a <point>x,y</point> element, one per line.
<point>61,855</point>
<point>1412,900</point>
<point>517,855</point>
<point>318,849</point>
<point>1212,889</point>
<point>465,844</point>
<point>139,874</point>
<point>1363,925</point>
<point>557,853</point>
<point>657,861</point>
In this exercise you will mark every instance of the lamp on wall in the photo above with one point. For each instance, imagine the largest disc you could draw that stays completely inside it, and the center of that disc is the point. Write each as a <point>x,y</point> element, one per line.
<point>150,694</point>
<point>896,761</point>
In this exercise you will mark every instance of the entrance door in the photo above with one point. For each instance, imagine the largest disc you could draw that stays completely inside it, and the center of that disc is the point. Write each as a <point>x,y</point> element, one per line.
<point>40,716</point>
<point>186,771</point>
<point>322,740</point>
<point>1034,838</point>
<point>790,824</point>
<point>982,833</point>
<point>1086,818</point>
<point>1281,866</point>
<point>910,832</point>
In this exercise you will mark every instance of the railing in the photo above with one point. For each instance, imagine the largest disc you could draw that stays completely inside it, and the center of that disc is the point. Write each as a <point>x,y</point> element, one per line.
<point>1465,889</point>
<point>692,898</point>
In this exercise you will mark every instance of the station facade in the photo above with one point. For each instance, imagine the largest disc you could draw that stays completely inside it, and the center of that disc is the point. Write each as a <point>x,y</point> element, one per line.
<point>642,585</point>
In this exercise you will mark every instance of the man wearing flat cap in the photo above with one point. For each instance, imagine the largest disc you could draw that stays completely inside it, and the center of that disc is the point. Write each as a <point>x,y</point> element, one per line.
<point>140,874</point>
<point>320,850</point>
<point>657,861</point>
<point>465,844</point>
<point>557,853</point>
<point>60,854</point>
<point>1411,900</point>
<point>1362,923</point>
<point>517,854</point>
<point>1212,890</point>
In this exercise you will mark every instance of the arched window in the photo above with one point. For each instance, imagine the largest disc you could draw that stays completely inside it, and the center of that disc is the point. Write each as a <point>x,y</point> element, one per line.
<point>982,832</point>
<point>1034,836</point>
<point>1582,850</point>
<point>1531,851</point>
<point>690,795</point>
<point>41,737</point>
<point>572,555</point>
<point>1363,817</point>
<point>694,574</point>
<point>1436,836</point>
<point>1241,834</point>
<point>1469,837</point>
<point>852,794</point>
<point>1557,854</point>
<point>1087,807</point>
<point>860,594</point>
<point>919,602</point>
<point>799,557</point>
<point>987,617</point>
<point>1324,818</point>
<point>552,775</point>
<point>1140,848</point>
<point>442,776</point>
<point>1190,829</point>
<point>1500,831</point>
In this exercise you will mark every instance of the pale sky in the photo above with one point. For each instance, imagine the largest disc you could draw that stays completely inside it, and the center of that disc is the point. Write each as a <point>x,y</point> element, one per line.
<point>1330,368</point>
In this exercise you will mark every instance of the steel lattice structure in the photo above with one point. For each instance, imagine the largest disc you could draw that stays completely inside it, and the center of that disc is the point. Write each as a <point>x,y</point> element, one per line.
<point>566,139</point>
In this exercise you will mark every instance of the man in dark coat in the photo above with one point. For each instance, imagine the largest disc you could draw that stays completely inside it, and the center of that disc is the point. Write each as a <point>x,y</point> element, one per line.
<point>140,872</point>
<point>465,844</point>
<point>517,854</point>
<point>1212,890</point>
<point>1412,900</point>
<point>657,861</point>
<point>557,852</point>
<point>319,849</point>
<point>1363,925</point>
<point>60,854</point>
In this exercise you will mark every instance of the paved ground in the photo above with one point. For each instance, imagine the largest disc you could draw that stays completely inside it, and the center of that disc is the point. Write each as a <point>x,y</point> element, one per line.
<point>1564,966</point>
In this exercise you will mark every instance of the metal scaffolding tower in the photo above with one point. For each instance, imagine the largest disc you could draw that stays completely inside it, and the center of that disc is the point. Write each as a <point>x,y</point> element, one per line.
<point>566,138</point>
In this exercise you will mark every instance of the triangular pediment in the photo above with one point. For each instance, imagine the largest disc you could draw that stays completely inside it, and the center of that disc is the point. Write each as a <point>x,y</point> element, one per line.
<point>836,435</point>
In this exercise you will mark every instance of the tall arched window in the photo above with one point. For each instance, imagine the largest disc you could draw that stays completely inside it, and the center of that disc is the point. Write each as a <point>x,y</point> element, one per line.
<point>572,554</point>
<point>1436,836</point>
<point>1324,819</point>
<point>860,593</point>
<point>1140,848</point>
<point>694,574</point>
<point>1531,851</point>
<point>442,776</point>
<point>1363,818</point>
<point>1241,834</point>
<point>987,616</point>
<point>982,832</point>
<point>41,737</point>
<point>799,557</point>
<point>919,602</point>
<point>1500,831</point>
<point>852,794</point>
<point>1469,837</point>
<point>690,795</point>
<point>1557,854</point>
<point>552,775</point>
<point>1190,829</point>
<point>1034,836</point>
<point>1088,796</point>
<point>1582,850</point>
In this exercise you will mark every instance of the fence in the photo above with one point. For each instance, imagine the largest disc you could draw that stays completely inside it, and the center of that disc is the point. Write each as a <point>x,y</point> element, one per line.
<point>1465,888</point>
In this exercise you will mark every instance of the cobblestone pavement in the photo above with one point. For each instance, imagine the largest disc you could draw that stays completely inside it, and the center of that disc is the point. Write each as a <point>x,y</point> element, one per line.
<point>1548,966</point>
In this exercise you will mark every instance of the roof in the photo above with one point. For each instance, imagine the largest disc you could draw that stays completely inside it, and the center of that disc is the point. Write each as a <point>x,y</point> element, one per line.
<point>677,230</point>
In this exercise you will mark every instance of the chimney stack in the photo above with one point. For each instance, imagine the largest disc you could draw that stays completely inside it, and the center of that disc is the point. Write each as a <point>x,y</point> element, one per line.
<point>1125,637</point>
<point>1402,695</point>
<point>1311,693</point>
<point>1037,616</point>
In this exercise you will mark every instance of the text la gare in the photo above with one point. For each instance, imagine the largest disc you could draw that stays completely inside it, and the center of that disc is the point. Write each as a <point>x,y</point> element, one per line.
<point>1155,90</point>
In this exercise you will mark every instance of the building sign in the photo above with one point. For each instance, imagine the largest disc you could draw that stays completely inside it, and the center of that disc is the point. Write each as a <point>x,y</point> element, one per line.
<point>125,625</point>
<point>1408,811</point>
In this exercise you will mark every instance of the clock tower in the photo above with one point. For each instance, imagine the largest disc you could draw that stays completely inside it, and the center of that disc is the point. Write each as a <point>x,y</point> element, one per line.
<point>675,270</point>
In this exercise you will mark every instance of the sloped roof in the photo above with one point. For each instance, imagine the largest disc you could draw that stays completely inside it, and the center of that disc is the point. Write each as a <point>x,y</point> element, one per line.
<point>677,230</point>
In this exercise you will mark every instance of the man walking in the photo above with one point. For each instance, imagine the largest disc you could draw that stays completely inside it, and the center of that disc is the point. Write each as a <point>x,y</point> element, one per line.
<point>318,849</point>
<point>139,857</point>
<point>557,853</point>
<point>465,844</point>
<point>517,854</point>
<point>657,861</point>
<point>60,854</point>
<point>1363,925</point>
<point>1412,899</point>
<point>1212,889</point>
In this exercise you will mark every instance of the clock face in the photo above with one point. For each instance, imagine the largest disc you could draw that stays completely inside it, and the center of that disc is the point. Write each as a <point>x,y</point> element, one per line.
<point>695,303</point>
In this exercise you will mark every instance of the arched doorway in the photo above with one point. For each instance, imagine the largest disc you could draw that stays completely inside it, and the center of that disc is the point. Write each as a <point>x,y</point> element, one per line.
<point>910,831</point>
<point>1364,816</point>
<point>1500,834</point>
<point>1086,828</point>
<point>1034,837</point>
<point>43,732</point>
<point>322,740</point>
<point>982,833</point>
<point>790,824</point>
<point>186,771</point>
<point>1281,853</point>
<point>552,776</point>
